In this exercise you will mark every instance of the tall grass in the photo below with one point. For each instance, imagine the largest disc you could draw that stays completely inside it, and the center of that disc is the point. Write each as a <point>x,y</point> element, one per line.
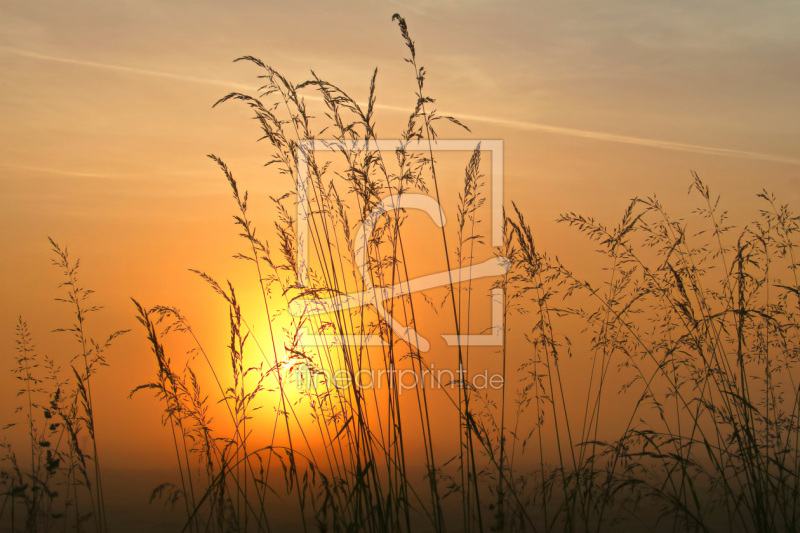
<point>700,323</point>
<point>656,389</point>
<point>58,486</point>
<point>695,323</point>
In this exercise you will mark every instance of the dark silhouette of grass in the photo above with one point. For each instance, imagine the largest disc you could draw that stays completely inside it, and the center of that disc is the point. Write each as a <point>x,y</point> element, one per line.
<point>693,322</point>
<point>62,487</point>
<point>704,331</point>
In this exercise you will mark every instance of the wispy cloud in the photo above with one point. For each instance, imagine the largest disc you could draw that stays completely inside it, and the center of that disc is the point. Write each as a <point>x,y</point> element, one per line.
<point>59,171</point>
<point>510,123</point>
<point>122,68</point>
<point>626,139</point>
<point>613,137</point>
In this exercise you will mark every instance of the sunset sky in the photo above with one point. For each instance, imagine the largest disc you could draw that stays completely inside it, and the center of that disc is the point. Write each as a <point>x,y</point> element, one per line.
<point>107,120</point>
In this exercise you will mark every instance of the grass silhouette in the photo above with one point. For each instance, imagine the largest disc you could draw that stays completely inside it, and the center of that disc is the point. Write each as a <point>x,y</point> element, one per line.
<point>693,322</point>
<point>62,487</point>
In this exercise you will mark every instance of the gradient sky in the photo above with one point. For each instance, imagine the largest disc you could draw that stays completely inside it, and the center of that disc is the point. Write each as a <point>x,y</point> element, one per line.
<point>107,119</point>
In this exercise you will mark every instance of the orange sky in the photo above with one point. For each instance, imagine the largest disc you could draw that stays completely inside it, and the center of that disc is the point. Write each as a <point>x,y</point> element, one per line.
<point>107,119</point>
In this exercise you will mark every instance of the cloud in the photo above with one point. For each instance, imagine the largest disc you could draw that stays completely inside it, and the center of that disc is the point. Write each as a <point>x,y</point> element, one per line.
<point>614,137</point>
<point>57,171</point>
<point>626,139</point>
<point>510,123</point>
<point>123,68</point>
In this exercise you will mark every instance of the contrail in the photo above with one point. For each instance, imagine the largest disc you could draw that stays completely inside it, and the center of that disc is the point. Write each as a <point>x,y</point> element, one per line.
<point>122,68</point>
<point>626,139</point>
<point>58,171</point>
<point>516,124</point>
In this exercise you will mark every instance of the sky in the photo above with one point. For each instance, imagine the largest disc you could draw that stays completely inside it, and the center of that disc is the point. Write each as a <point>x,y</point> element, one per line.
<point>107,119</point>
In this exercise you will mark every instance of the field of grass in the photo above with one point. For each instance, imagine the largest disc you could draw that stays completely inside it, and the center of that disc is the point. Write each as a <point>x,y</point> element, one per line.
<point>653,388</point>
